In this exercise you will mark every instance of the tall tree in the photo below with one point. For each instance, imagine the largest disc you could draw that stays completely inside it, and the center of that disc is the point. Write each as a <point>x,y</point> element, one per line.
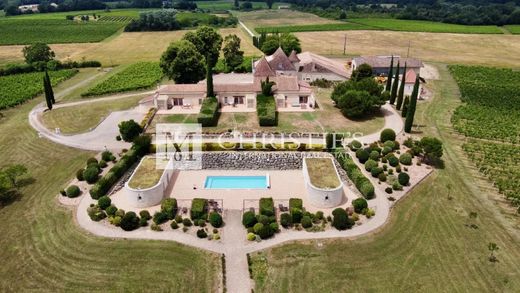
<point>410,113</point>
<point>400,95</point>
<point>269,3</point>
<point>395,84</point>
<point>237,4</point>
<point>38,52</point>
<point>47,95</point>
<point>183,63</point>
<point>49,87</point>
<point>233,56</point>
<point>209,77</point>
<point>405,106</point>
<point>390,73</point>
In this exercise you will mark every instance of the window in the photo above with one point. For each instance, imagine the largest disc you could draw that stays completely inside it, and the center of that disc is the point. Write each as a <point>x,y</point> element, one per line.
<point>238,100</point>
<point>304,99</point>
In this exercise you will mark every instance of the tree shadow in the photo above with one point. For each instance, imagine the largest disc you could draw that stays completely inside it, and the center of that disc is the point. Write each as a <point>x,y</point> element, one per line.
<point>9,197</point>
<point>25,182</point>
<point>381,113</point>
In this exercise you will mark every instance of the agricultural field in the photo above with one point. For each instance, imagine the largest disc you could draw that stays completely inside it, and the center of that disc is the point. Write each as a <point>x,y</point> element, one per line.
<point>27,31</point>
<point>492,105</point>
<point>280,18</point>
<point>137,76</point>
<point>132,13</point>
<point>17,89</point>
<point>436,250</point>
<point>514,29</point>
<point>229,5</point>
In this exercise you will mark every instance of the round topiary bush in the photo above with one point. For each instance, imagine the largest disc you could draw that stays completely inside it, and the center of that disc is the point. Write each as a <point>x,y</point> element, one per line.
<point>387,134</point>
<point>178,219</point>
<point>274,226</point>
<point>248,219</point>
<point>143,222</point>
<point>376,171</point>
<point>160,217</point>
<point>393,161</point>
<point>106,156</point>
<point>359,204</point>
<point>91,174</point>
<point>405,159</point>
<point>263,219</point>
<point>251,236</point>
<point>257,227</point>
<point>129,222</point>
<point>355,145</point>
<point>265,231</point>
<point>306,222</point>
<point>386,150</point>
<point>104,202</point>
<point>120,212</point>
<point>340,220</point>
<point>403,178</point>
<point>186,222</point>
<point>367,189</point>
<point>102,164</point>
<point>389,144</point>
<point>388,190</point>
<point>382,177</point>
<point>201,233</point>
<point>215,219</point>
<point>374,155</point>
<point>79,175</point>
<point>362,155</point>
<point>111,210</point>
<point>370,164</point>
<point>174,225</point>
<point>145,214</point>
<point>73,191</point>
<point>285,220</point>
<point>91,161</point>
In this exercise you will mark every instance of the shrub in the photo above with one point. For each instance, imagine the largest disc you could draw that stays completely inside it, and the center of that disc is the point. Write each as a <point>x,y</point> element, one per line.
<point>79,174</point>
<point>257,227</point>
<point>370,213</point>
<point>160,217</point>
<point>178,219</point>
<point>403,179</point>
<point>120,212</point>
<point>362,155</point>
<point>285,220</point>
<point>265,231</point>
<point>102,164</point>
<point>382,177</point>
<point>370,164</point>
<point>405,159</point>
<point>249,219</point>
<point>199,208</point>
<point>306,222</point>
<point>209,114</point>
<point>104,202</point>
<point>73,191</point>
<point>107,156</point>
<point>143,222</point>
<point>267,206</point>
<point>215,219</point>
<point>91,174</point>
<point>187,222</point>
<point>296,203</point>
<point>374,155</point>
<point>156,227</point>
<point>386,150</point>
<point>355,145</point>
<point>398,169</point>
<point>116,221</point>
<point>376,171</point>
<point>274,226</point>
<point>359,204</point>
<point>130,221</point>
<point>340,220</point>
<point>118,137</point>
<point>201,233</point>
<point>393,161</point>
<point>169,206</point>
<point>296,215</point>
<point>91,161</point>
<point>129,130</point>
<point>145,214</point>
<point>251,236</point>
<point>174,225</point>
<point>389,144</point>
<point>388,190</point>
<point>263,219</point>
<point>386,135</point>
<point>111,210</point>
<point>63,192</point>
<point>95,213</point>
<point>266,110</point>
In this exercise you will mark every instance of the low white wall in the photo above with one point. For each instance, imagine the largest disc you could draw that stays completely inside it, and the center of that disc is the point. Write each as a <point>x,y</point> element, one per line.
<point>323,198</point>
<point>144,198</point>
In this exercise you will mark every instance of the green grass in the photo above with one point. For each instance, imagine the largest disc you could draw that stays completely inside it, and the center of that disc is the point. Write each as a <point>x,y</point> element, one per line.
<point>514,29</point>
<point>137,76</point>
<point>42,246</point>
<point>132,12</point>
<point>322,173</point>
<point>82,118</point>
<point>146,175</point>
<point>18,88</point>
<point>387,24</point>
<point>229,5</point>
<point>426,246</point>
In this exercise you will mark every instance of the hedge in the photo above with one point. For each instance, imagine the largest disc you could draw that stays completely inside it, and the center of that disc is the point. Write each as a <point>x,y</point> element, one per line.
<point>296,203</point>
<point>248,219</point>
<point>215,219</point>
<point>267,206</point>
<point>386,135</point>
<point>209,114</point>
<point>266,110</point>
<point>359,205</point>
<point>199,208</point>
<point>169,206</point>
<point>405,159</point>
<point>362,183</point>
<point>73,191</point>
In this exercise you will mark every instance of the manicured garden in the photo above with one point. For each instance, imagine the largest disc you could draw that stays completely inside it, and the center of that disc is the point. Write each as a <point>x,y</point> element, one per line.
<point>137,76</point>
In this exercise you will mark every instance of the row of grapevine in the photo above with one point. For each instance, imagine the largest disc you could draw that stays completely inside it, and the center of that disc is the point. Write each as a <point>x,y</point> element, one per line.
<point>136,76</point>
<point>115,18</point>
<point>18,88</point>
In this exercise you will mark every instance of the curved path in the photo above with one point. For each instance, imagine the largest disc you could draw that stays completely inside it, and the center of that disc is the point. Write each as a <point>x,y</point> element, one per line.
<point>233,243</point>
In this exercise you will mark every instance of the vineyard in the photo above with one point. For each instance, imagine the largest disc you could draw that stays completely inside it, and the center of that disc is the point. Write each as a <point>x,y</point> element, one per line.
<point>27,31</point>
<point>123,19</point>
<point>19,88</point>
<point>490,112</point>
<point>136,76</point>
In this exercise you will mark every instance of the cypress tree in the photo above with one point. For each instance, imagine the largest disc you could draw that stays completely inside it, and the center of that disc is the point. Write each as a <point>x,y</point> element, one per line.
<point>395,84</point>
<point>405,106</point>
<point>390,72</point>
<point>47,95</point>
<point>49,87</point>
<point>209,77</point>
<point>410,112</point>
<point>400,96</point>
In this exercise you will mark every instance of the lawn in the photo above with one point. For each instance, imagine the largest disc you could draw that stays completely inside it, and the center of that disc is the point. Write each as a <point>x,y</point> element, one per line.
<point>428,244</point>
<point>322,173</point>
<point>82,118</point>
<point>146,175</point>
<point>514,29</point>
<point>43,248</point>
<point>27,31</point>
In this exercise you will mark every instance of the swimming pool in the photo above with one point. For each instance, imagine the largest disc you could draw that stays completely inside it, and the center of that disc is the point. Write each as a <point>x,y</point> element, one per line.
<point>237,182</point>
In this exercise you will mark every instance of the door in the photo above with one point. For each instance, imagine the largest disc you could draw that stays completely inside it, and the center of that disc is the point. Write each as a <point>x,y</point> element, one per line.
<point>238,100</point>
<point>304,99</point>
<point>178,101</point>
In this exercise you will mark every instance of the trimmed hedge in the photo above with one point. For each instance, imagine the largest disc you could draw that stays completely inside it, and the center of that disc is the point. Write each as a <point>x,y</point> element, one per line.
<point>215,219</point>
<point>73,191</point>
<point>362,183</point>
<point>169,206</point>
<point>296,203</point>
<point>359,205</point>
<point>403,179</point>
<point>209,114</point>
<point>248,219</point>
<point>199,207</point>
<point>405,159</point>
<point>386,135</point>
<point>267,206</point>
<point>266,110</point>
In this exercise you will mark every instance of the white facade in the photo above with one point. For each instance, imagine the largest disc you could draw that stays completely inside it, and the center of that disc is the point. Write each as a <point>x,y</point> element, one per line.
<point>319,197</point>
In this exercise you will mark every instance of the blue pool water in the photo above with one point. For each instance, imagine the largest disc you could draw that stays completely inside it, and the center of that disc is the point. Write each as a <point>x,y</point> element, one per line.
<point>236,182</point>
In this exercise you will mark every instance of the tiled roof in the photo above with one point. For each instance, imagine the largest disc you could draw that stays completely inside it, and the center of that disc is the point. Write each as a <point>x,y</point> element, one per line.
<point>179,88</point>
<point>286,83</point>
<point>263,69</point>
<point>310,62</point>
<point>410,76</point>
<point>279,61</point>
<point>294,57</point>
<point>384,61</point>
